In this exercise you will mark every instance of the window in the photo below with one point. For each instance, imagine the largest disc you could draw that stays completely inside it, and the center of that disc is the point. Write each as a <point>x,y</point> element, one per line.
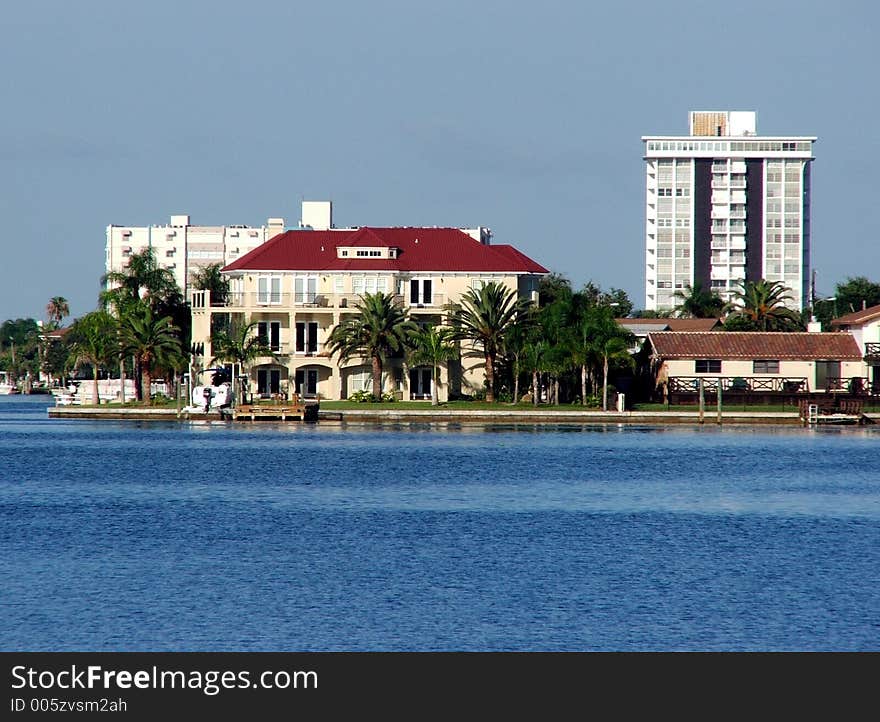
<point>339,284</point>
<point>269,290</point>
<point>707,366</point>
<point>360,381</point>
<point>765,366</point>
<point>307,337</point>
<point>270,332</point>
<point>369,284</point>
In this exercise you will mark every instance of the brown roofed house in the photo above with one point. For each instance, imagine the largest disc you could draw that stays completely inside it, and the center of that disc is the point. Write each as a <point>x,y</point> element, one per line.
<point>756,361</point>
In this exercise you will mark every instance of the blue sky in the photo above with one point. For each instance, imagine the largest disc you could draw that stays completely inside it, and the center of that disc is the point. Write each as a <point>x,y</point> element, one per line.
<point>523,118</point>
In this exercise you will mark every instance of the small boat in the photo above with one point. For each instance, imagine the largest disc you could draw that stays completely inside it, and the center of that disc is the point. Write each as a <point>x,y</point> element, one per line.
<point>214,396</point>
<point>6,385</point>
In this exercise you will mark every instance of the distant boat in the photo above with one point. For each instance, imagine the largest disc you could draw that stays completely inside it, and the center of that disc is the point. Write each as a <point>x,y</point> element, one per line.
<point>6,385</point>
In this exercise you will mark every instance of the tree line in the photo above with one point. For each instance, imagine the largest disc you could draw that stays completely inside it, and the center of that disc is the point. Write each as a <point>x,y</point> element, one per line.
<point>564,349</point>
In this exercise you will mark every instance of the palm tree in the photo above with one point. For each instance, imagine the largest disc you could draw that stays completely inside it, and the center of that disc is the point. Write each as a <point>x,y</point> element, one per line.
<point>601,338</point>
<point>697,302</point>
<point>379,328</point>
<point>154,343</point>
<point>432,346</point>
<point>484,317</point>
<point>92,341</point>
<point>760,306</point>
<point>57,309</point>
<point>143,279</point>
<point>533,353</point>
<point>240,345</point>
<point>209,278</point>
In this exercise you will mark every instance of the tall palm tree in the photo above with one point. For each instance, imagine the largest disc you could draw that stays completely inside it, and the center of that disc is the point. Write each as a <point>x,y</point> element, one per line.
<point>57,309</point>
<point>240,345</point>
<point>143,279</point>
<point>92,342</point>
<point>602,339</point>
<point>533,353</point>
<point>760,306</point>
<point>379,328</point>
<point>432,346</point>
<point>698,302</point>
<point>484,316</point>
<point>154,342</point>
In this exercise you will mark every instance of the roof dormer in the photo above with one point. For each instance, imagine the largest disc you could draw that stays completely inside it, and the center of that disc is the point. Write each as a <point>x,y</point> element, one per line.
<point>378,252</point>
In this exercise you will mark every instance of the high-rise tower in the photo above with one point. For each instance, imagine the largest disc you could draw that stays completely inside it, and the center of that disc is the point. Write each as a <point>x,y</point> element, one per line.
<point>724,205</point>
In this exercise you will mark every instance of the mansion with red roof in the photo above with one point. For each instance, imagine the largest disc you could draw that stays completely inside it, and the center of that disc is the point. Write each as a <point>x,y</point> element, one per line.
<point>298,285</point>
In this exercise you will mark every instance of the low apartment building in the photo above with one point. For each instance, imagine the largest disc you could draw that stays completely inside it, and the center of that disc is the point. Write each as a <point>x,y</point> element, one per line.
<point>300,284</point>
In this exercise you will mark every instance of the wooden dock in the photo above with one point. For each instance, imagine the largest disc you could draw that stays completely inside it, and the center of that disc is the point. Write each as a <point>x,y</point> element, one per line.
<point>842,411</point>
<point>295,410</point>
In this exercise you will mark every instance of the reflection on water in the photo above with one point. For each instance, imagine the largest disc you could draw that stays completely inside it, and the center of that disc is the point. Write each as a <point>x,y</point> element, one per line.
<point>208,535</point>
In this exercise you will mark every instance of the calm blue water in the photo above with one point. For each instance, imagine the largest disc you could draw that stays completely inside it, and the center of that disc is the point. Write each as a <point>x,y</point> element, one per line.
<point>207,536</point>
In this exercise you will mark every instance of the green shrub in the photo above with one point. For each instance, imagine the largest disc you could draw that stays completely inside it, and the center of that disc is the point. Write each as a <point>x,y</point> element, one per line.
<point>363,397</point>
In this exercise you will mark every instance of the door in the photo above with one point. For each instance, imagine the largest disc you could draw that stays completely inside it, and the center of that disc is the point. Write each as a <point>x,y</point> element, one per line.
<point>305,288</point>
<point>420,383</point>
<point>307,338</point>
<point>420,292</point>
<point>268,381</point>
<point>827,375</point>
<point>270,332</point>
<point>307,382</point>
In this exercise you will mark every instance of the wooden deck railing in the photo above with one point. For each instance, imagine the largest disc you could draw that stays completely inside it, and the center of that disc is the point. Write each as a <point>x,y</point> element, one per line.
<point>852,385</point>
<point>691,384</point>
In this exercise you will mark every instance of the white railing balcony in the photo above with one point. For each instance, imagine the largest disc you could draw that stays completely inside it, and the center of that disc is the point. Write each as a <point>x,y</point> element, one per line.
<point>314,300</point>
<point>719,167</point>
<point>278,349</point>
<point>315,349</point>
<point>720,184</point>
<point>269,299</point>
<point>436,301</point>
<point>294,301</point>
<point>199,299</point>
<point>737,182</point>
<point>737,214</point>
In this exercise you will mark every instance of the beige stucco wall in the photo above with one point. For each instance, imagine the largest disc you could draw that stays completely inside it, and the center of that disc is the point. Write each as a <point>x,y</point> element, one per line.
<point>333,301</point>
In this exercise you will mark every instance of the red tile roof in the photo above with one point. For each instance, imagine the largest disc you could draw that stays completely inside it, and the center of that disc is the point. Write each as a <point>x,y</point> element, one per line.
<point>751,345</point>
<point>421,249</point>
<point>693,324</point>
<point>673,324</point>
<point>852,319</point>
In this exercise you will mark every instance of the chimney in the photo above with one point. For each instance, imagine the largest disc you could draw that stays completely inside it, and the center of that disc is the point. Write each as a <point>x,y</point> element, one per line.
<point>276,226</point>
